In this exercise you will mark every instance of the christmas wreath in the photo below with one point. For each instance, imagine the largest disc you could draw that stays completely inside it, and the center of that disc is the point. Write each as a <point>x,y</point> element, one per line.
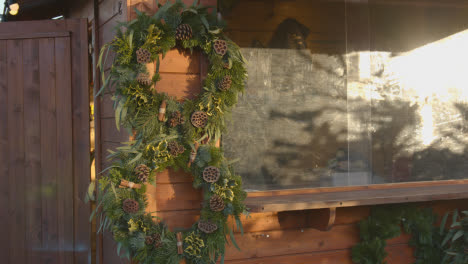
<point>170,133</point>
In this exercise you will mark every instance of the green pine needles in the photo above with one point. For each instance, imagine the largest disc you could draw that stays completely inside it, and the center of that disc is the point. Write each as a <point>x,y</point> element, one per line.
<point>432,244</point>
<point>176,140</point>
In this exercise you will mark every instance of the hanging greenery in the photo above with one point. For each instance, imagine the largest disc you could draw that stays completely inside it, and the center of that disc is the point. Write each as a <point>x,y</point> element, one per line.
<point>171,133</point>
<point>432,244</point>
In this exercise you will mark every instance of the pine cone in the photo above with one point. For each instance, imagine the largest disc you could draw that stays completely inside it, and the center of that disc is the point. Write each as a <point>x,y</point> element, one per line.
<point>143,56</point>
<point>176,119</point>
<point>211,174</point>
<point>220,47</point>
<point>143,79</point>
<point>173,122</point>
<point>183,32</point>
<point>130,206</point>
<point>175,148</point>
<point>149,240</point>
<point>142,171</point>
<point>216,203</point>
<point>199,119</point>
<point>225,83</point>
<point>207,226</point>
<point>157,240</point>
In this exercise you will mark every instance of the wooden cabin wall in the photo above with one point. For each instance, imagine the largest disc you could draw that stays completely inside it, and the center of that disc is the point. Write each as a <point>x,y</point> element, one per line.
<point>289,237</point>
<point>278,237</point>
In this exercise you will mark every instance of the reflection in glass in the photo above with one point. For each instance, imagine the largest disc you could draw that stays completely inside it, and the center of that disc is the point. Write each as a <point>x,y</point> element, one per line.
<point>345,93</point>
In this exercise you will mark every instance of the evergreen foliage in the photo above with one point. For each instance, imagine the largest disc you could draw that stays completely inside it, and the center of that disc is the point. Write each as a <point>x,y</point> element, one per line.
<point>136,109</point>
<point>432,244</point>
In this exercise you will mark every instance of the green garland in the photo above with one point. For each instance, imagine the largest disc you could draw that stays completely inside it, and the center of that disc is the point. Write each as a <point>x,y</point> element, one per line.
<point>433,245</point>
<point>178,140</point>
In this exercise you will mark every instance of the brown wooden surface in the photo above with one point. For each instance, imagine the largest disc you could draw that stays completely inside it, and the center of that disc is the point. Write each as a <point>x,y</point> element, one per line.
<point>398,254</point>
<point>388,186</point>
<point>64,160</point>
<point>292,237</point>
<point>356,198</point>
<point>44,142</point>
<point>32,142</point>
<point>48,148</point>
<point>35,35</point>
<point>4,170</point>
<point>16,152</point>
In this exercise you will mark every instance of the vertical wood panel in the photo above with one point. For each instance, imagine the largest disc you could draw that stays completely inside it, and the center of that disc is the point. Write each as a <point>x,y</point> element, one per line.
<point>48,114</point>
<point>41,180</point>
<point>32,140</point>
<point>81,144</point>
<point>16,152</point>
<point>64,144</point>
<point>4,188</point>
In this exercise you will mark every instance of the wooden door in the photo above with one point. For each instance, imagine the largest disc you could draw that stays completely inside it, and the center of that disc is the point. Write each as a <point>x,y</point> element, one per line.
<point>44,142</point>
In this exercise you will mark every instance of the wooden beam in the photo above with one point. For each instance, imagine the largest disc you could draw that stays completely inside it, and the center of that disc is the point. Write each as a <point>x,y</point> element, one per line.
<point>97,120</point>
<point>320,200</point>
<point>35,35</point>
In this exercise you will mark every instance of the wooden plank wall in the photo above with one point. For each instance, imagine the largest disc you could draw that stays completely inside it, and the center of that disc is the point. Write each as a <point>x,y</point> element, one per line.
<point>288,237</point>
<point>278,237</point>
<point>44,142</point>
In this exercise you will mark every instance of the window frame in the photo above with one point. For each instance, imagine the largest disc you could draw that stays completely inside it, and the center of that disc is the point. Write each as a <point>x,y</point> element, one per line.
<point>374,194</point>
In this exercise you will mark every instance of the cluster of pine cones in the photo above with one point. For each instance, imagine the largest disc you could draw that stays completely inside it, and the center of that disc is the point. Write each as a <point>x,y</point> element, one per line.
<point>175,148</point>
<point>176,119</point>
<point>154,239</point>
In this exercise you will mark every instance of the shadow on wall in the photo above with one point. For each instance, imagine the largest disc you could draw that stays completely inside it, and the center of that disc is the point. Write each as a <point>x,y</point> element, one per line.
<point>305,122</point>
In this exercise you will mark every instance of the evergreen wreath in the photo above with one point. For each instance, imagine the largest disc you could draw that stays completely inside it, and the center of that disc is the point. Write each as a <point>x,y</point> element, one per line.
<point>171,133</point>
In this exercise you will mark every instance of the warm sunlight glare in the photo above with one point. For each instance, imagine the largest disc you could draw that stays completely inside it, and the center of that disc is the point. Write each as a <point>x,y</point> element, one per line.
<point>436,72</point>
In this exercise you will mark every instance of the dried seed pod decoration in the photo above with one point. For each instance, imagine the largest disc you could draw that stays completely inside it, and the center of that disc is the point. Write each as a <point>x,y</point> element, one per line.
<point>162,111</point>
<point>220,47</point>
<point>143,56</point>
<point>211,174</point>
<point>207,226</point>
<point>130,206</point>
<point>199,119</point>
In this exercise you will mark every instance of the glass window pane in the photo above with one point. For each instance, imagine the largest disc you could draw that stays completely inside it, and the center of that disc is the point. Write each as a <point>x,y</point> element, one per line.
<point>347,93</point>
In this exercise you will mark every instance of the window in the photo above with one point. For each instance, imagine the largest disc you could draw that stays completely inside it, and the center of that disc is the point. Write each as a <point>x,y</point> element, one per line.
<point>350,93</point>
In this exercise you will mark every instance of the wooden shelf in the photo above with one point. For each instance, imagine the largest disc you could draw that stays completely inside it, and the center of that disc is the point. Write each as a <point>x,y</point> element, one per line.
<point>318,199</point>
